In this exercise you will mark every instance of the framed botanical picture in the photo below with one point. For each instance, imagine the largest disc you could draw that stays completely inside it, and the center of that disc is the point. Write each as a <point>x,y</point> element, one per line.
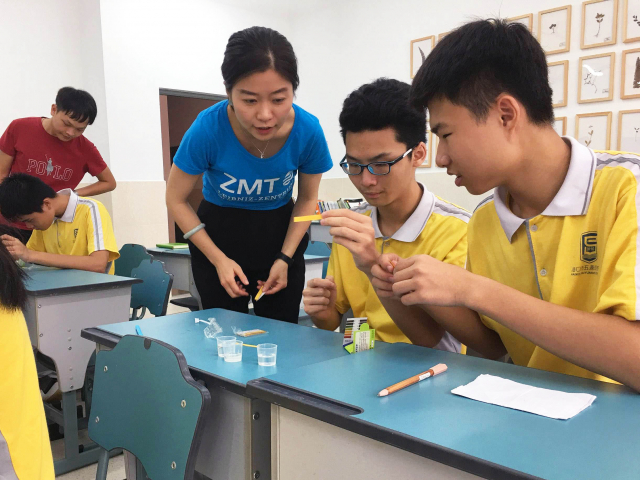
<point>526,20</point>
<point>560,126</point>
<point>554,29</point>
<point>559,81</point>
<point>420,50</point>
<point>631,21</point>
<point>630,74</point>
<point>629,131</point>
<point>442,35</point>
<point>595,81</point>
<point>599,23</point>
<point>594,130</point>
<point>427,162</point>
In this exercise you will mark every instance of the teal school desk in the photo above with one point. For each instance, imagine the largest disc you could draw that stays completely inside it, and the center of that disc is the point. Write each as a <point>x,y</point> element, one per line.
<point>236,441</point>
<point>331,412</point>
<point>60,304</point>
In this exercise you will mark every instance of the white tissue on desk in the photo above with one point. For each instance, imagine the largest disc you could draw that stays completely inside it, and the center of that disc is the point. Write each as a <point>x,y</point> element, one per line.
<point>510,394</point>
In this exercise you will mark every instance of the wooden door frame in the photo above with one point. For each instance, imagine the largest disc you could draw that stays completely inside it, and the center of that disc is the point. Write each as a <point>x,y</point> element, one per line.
<point>166,143</point>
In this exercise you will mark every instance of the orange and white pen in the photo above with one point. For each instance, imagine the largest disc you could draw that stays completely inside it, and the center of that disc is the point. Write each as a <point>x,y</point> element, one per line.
<point>432,372</point>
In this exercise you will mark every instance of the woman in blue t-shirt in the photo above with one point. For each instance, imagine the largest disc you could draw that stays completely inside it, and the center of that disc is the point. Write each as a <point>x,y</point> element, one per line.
<point>250,149</point>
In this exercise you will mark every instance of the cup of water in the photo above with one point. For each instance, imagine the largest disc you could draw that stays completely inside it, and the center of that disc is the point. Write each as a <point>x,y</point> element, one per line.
<point>221,341</point>
<point>267,353</point>
<point>233,351</point>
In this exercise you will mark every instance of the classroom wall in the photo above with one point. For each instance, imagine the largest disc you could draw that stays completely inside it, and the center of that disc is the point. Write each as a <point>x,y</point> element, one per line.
<point>341,47</point>
<point>153,44</point>
<point>123,51</point>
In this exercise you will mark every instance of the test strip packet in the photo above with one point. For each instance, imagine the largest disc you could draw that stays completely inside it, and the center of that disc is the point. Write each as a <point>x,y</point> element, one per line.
<point>358,336</point>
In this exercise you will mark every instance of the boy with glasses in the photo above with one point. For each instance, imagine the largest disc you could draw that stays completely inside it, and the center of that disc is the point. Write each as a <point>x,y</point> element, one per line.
<point>385,143</point>
<point>552,275</point>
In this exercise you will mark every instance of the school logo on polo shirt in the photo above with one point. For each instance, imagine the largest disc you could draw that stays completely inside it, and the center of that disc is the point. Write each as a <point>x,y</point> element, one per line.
<point>75,233</point>
<point>589,247</point>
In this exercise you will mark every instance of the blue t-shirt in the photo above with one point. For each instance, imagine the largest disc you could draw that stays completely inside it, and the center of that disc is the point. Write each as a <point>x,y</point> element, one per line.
<point>235,178</point>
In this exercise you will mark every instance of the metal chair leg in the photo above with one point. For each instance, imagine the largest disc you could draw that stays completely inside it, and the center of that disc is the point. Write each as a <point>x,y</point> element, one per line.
<point>103,465</point>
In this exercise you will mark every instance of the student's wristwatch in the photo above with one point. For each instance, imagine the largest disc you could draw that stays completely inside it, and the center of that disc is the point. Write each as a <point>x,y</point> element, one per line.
<point>285,258</point>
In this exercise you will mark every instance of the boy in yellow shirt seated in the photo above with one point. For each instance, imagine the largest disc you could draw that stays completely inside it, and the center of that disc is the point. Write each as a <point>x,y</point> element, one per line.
<point>69,231</point>
<point>553,269</point>
<point>25,451</point>
<point>385,143</point>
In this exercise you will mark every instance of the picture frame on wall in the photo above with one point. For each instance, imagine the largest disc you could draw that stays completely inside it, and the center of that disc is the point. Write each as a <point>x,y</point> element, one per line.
<point>559,81</point>
<point>554,29</point>
<point>560,126</point>
<point>630,82</point>
<point>420,50</point>
<point>594,130</point>
<point>595,78</point>
<point>427,162</point>
<point>629,131</point>
<point>631,21</point>
<point>599,23</point>
<point>526,20</point>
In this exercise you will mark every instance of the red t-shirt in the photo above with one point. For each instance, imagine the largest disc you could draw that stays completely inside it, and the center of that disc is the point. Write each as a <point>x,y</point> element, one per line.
<point>58,164</point>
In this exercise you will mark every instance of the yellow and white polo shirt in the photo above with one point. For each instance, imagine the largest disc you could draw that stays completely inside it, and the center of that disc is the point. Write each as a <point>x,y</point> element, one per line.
<point>582,252</point>
<point>435,228</point>
<point>84,228</point>
<point>25,451</point>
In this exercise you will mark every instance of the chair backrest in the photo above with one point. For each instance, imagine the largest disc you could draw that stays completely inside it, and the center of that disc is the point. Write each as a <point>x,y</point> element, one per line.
<point>155,289</point>
<point>130,257</point>
<point>322,249</point>
<point>145,401</point>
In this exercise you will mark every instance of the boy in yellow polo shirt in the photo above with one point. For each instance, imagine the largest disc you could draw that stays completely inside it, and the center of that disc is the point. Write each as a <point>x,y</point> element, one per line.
<point>70,231</point>
<point>385,143</point>
<point>25,452</point>
<point>553,270</point>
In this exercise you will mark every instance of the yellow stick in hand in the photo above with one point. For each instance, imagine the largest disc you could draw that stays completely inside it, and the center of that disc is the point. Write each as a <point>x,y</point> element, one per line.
<point>307,218</point>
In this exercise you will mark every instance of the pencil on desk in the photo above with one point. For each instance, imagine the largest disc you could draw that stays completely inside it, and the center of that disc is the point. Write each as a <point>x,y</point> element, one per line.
<point>432,372</point>
<point>307,218</point>
<point>138,331</point>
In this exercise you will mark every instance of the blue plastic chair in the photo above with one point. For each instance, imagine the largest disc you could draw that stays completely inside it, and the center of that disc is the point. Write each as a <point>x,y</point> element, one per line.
<point>146,402</point>
<point>154,291</point>
<point>131,255</point>
<point>322,249</point>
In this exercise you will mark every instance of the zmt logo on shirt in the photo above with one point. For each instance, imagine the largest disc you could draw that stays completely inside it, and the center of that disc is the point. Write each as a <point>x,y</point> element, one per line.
<point>589,247</point>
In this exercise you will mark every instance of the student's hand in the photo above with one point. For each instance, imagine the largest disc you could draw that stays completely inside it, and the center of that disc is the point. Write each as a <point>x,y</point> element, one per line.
<point>229,272</point>
<point>320,295</point>
<point>382,274</point>
<point>422,279</point>
<point>278,276</point>
<point>353,231</point>
<point>16,248</point>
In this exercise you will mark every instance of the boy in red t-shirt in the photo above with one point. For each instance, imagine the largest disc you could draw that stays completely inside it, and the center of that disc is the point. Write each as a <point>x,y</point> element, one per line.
<point>55,149</point>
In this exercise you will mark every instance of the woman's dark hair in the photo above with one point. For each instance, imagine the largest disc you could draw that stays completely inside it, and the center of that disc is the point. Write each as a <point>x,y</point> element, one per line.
<point>258,49</point>
<point>78,104</point>
<point>481,60</point>
<point>12,292</point>
<point>383,104</point>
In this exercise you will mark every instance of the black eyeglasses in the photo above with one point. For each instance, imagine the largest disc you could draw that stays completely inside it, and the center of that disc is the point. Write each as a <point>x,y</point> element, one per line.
<point>376,168</point>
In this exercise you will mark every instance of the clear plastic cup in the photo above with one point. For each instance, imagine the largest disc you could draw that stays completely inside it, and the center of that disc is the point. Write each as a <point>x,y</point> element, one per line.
<point>233,350</point>
<point>267,353</point>
<point>221,341</point>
